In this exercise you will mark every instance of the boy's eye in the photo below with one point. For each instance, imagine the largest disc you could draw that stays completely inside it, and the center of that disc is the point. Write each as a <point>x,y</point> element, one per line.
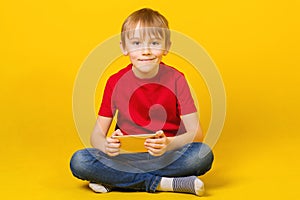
<point>155,43</point>
<point>136,43</point>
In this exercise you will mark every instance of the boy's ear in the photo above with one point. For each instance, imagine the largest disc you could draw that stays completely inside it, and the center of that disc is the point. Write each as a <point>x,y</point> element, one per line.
<point>168,46</point>
<point>124,51</point>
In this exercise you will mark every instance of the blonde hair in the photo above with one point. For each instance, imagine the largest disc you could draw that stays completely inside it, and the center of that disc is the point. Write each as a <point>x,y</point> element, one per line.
<point>151,22</point>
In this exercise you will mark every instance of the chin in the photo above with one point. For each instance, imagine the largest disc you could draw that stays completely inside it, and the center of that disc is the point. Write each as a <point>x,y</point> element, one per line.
<point>148,66</point>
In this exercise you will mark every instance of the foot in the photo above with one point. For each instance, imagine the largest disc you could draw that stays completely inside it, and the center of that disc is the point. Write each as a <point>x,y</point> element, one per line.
<point>190,184</point>
<point>98,188</point>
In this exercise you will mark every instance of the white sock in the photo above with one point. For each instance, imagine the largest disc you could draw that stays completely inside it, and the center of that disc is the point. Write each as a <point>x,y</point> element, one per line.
<point>166,185</point>
<point>96,187</point>
<point>190,184</point>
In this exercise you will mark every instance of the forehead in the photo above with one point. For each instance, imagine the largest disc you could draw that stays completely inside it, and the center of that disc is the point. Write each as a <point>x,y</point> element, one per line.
<point>145,32</point>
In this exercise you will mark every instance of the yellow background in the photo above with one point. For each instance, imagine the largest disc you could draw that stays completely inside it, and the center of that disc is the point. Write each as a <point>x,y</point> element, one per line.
<point>255,45</point>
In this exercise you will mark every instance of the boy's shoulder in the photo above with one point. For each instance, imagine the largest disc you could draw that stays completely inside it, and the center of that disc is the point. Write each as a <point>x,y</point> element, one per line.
<point>170,70</point>
<point>116,76</point>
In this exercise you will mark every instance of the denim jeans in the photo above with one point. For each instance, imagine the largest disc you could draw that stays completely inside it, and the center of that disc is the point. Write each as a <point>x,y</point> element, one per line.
<point>140,171</point>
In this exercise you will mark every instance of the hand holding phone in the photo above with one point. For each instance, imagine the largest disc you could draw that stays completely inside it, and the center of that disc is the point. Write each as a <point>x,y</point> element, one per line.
<point>157,145</point>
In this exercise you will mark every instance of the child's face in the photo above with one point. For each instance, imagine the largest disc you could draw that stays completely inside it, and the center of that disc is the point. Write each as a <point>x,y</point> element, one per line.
<point>145,53</point>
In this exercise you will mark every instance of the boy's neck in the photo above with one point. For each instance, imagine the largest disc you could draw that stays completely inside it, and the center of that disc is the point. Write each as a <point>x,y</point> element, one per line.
<point>145,75</point>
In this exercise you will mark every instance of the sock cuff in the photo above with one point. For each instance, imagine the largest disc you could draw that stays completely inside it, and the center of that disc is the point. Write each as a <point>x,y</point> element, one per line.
<point>184,184</point>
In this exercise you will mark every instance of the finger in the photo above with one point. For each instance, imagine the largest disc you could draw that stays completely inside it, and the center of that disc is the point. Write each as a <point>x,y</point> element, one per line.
<point>154,145</point>
<point>112,150</point>
<point>160,133</point>
<point>155,141</point>
<point>113,145</point>
<point>117,133</point>
<point>113,154</point>
<point>112,140</point>
<point>151,153</point>
<point>155,152</point>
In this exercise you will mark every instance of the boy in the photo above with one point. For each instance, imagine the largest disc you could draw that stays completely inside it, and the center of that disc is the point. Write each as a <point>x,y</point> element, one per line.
<point>149,97</point>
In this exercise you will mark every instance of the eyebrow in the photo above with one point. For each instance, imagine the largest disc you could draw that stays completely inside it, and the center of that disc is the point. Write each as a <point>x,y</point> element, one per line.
<point>134,38</point>
<point>139,38</point>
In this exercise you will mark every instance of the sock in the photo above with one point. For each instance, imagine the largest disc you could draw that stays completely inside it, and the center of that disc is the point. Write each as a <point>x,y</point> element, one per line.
<point>190,184</point>
<point>96,187</point>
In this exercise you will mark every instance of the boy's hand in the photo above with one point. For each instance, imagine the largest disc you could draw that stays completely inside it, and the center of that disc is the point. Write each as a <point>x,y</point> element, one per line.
<point>157,145</point>
<point>112,145</point>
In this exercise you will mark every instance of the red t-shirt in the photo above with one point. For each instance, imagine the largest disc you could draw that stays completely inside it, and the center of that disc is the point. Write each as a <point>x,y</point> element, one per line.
<point>148,105</point>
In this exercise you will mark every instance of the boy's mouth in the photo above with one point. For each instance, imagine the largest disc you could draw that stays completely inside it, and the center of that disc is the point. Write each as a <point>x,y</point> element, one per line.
<point>146,59</point>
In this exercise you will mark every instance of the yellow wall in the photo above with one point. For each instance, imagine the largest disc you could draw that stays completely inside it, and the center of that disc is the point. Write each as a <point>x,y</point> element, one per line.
<point>255,45</point>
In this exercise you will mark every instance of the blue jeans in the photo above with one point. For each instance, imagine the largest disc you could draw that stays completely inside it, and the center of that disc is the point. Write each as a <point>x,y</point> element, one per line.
<point>140,171</point>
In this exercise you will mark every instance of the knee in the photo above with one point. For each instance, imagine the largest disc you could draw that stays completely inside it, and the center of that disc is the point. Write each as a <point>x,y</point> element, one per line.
<point>203,153</point>
<point>201,150</point>
<point>207,157</point>
<point>78,162</point>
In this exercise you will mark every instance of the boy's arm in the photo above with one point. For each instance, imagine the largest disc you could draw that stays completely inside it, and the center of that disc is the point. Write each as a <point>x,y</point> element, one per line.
<point>98,137</point>
<point>193,132</point>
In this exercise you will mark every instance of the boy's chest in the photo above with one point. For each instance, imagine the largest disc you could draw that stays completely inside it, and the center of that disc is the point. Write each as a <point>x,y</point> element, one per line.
<point>146,96</point>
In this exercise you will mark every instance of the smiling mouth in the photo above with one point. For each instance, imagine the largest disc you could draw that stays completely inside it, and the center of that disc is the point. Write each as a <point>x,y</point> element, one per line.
<point>148,59</point>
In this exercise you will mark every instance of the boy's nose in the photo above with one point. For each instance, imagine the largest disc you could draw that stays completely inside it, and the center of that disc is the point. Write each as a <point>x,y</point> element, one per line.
<point>146,50</point>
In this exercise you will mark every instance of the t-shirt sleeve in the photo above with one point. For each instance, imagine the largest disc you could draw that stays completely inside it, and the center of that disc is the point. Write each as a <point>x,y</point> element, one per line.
<point>186,103</point>
<point>107,108</point>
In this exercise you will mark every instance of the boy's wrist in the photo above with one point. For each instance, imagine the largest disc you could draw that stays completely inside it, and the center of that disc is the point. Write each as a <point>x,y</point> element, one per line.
<point>169,142</point>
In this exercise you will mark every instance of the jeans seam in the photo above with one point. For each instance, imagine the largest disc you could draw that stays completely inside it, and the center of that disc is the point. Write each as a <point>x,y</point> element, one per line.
<point>155,183</point>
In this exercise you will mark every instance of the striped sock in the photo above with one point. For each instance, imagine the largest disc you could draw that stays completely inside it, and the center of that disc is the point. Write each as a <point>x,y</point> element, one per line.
<point>190,184</point>
<point>99,188</point>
